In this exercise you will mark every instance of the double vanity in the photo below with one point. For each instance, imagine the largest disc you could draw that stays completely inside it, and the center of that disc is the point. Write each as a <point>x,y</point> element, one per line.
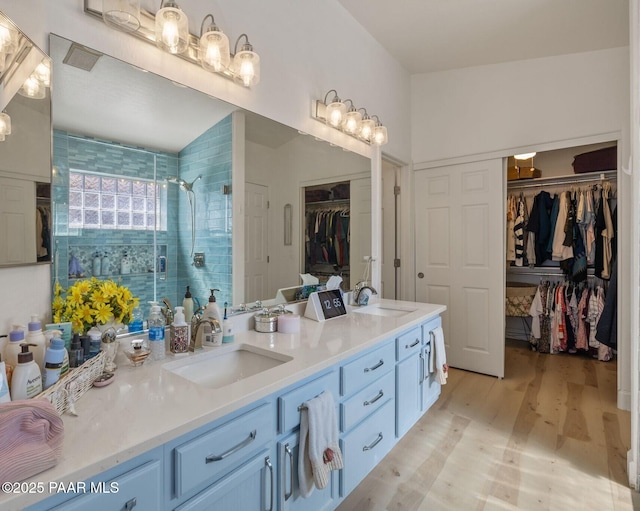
<point>219,429</point>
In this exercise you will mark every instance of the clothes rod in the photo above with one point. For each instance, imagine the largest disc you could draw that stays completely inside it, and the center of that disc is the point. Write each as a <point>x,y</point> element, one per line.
<point>610,175</point>
<point>545,274</point>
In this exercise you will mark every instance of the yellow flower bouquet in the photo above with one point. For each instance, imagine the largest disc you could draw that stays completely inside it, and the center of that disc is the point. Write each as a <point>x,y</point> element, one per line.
<point>92,301</point>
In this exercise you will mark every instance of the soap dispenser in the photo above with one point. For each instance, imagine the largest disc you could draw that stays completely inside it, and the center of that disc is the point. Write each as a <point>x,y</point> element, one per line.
<point>125,265</point>
<point>26,381</point>
<point>36,338</point>
<point>212,311</point>
<point>179,333</point>
<point>97,264</point>
<point>187,305</point>
<point>12,348</point>
<point>105,265</point>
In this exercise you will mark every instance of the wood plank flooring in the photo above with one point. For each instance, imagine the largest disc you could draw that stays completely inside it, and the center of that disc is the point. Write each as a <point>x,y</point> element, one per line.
<point>546,437</point>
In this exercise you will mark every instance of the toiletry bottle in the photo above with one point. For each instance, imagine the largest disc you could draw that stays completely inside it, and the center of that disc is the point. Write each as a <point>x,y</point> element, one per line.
<point>187,305</point>
<point>125,265</point>
<point>95,337</point>
<point>64,368</point>
<point>53,359</point>
<point>12,348</point>
<point>85,342</point>
<point>179,333</point>
<point>4,384</point>
<point>26,381</point>
<point>97,264</point>
<point>36,338</point>
<point>156,333</point>
<point>76,353</point>
<point>212,311</point>
<point>105,266</point>
<point>227,328</point>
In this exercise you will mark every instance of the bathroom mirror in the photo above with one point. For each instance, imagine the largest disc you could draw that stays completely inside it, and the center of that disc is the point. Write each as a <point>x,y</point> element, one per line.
<point>25,149</point>
<point>133,149</point>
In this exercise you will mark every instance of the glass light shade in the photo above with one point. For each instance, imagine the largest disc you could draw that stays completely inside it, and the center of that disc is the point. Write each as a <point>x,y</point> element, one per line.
<point>246,67</point>
<point>5,124</point>
<point>366,129</point>
<point>43,73</point>
<point>122,14</point>
<point>524,156</point>
<point>172,29</point>
<point>8,37</point>
<point>379,135</point>
<point>352,122</point>
<point>335,113</point>
<point>32,88</point>
<point>214,51</point>
<point>2,61</point>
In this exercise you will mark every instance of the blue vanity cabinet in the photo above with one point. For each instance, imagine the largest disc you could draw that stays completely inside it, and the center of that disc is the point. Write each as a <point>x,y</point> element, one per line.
<point>250,487</point>
<point>431,388</point>
<point>134,485</point>
<point>409,375</point>
<point>367,413</point>
<point>289,403</point>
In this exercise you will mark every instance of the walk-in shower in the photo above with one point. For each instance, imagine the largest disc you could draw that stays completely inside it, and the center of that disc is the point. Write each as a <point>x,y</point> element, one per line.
<point>191,197</point>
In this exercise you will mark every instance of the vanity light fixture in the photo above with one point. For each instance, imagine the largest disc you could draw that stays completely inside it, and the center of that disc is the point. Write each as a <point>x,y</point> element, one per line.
<point>524,156</point>
<point>8,37</point>
<point>169,30</point>
<point>350,121</point>
<point>32,88</point>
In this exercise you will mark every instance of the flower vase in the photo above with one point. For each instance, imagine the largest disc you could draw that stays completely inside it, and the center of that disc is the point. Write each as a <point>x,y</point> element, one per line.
<point>109,344</point>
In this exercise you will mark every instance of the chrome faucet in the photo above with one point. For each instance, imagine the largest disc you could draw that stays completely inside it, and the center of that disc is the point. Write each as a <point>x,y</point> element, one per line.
<point>167,312</point>
<point>358,297</point>
<point>195,342</point>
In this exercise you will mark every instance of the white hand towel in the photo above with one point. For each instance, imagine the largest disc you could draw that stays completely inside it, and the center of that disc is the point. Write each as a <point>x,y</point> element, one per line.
<point>319,452</point>
<point>442,370</point>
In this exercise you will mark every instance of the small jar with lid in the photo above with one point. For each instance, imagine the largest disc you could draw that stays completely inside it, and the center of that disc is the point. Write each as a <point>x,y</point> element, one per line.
<point>266,322</point>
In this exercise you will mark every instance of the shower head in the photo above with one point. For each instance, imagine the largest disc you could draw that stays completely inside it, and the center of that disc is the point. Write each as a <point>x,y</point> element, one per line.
<point>184,186</point>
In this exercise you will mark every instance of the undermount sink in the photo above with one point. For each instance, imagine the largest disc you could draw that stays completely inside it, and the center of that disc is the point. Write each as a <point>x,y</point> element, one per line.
<point>381,310</point>
<point>225,365</point>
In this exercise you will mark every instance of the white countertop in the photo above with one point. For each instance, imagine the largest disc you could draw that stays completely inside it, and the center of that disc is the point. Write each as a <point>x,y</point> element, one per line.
<point>147,406</point>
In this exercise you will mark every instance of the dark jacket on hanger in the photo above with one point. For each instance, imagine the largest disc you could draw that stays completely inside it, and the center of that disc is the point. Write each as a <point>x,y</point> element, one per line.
<point>607,329</point>
<point>540,224</point>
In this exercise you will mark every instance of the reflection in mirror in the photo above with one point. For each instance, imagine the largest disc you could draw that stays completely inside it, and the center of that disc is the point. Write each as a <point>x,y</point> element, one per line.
<point>25,149</point>
<point>142,185</point>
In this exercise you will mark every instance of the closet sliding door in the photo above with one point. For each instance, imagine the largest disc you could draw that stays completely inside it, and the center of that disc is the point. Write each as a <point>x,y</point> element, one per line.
<point>460,259</point>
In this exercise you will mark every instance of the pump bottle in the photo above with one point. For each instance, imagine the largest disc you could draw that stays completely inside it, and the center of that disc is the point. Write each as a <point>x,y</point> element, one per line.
<point>53,361</point>
<point>179,333</point>
<point>26,381</point>
<point>36,338</point>
<point>187,305</point>
<point>212,311</point>
<point>12,348</point>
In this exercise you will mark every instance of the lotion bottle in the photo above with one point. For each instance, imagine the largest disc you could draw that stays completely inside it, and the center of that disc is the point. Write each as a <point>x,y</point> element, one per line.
<point>212,311</point>
<point>53,361</point>
<point>36,338</point>
<point>12,348</point>
<point>187,305</point>
<point>64,369</point>
<point>26,381</point>
<point>105,266</point>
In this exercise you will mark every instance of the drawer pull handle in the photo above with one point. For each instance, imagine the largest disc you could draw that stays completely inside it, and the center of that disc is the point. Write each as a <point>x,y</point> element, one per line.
<point>375,442</point>
<point>367,403</point>
<point>130,504</point>
<point>413,344</point>
<point>267,462</point>
<point>244,443</point>
<point>287,494</point>
<point>379,364</point>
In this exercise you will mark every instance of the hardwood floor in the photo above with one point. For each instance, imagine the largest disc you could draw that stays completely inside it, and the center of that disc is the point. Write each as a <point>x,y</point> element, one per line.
<point>548,436</point>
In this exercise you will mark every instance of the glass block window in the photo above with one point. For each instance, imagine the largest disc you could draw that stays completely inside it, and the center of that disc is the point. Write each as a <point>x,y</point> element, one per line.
<point>98,201</point>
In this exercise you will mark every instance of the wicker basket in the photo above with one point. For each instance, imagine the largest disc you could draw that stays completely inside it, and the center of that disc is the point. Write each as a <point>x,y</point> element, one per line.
<point>519,297</point>
<point>65,393</point>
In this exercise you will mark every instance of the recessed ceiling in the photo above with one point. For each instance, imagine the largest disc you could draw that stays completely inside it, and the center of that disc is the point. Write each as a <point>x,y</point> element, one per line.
<point>436,35</point>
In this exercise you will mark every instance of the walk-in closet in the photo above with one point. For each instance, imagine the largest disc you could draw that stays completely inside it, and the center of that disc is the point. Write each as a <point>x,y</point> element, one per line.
<point>561,251</point>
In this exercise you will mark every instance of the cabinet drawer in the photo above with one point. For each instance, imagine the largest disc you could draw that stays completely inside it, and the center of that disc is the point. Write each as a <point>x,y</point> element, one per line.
<point>367,368</point>
<point>366,445</point>
<point>367,401</point>
<point>408,343</point>
<point>289,414</point>
<point>137,489</point>
<point>216,452</point>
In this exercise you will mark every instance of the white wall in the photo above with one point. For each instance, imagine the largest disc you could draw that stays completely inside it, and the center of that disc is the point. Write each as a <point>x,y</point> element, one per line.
<point>301,61</point>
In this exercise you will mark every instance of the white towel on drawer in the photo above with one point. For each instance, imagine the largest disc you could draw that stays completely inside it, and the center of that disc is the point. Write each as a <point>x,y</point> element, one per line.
<point>440,355</point>
<point>319,452</point>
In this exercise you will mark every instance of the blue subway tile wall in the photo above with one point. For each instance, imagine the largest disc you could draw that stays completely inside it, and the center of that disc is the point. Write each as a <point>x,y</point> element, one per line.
<point>210,156</point>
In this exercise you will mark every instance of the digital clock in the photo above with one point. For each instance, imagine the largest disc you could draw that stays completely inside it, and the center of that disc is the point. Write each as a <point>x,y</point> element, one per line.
<point>323,305</point>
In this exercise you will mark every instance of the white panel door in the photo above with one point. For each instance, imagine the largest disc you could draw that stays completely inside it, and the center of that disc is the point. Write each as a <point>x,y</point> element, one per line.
<point>17,221</point>
<point>256,267</point>
<point>359,229</point>
<point>460,259</point>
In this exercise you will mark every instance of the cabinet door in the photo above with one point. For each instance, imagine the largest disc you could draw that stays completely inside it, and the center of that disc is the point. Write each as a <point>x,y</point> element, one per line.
<point>408,398</point>
<point>289,498</point>
<point>250,488</point>
<point>430,386</point>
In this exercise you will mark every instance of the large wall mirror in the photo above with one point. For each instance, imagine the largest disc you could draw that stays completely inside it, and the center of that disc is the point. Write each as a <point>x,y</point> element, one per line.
<point>25,149</point>
<point>142,189</point>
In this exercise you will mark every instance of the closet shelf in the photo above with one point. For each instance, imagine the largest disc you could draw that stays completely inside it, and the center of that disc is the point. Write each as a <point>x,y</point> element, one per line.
<point>327,202</point>
<point>561,180</point>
